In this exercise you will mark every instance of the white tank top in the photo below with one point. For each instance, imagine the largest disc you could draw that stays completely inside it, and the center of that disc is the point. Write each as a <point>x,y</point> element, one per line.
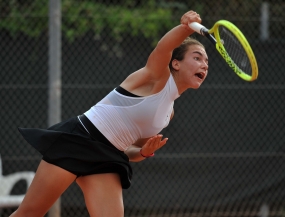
<point>124,119</point>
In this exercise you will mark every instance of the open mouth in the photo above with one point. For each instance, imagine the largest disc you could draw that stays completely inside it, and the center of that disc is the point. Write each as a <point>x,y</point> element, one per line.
<point>200,75</point>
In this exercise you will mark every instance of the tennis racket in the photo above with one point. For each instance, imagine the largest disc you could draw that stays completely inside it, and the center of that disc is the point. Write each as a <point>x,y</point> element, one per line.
<point>233,47</point>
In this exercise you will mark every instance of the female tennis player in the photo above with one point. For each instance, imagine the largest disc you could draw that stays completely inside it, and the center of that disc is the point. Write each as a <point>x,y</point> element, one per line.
<point>94,149</point>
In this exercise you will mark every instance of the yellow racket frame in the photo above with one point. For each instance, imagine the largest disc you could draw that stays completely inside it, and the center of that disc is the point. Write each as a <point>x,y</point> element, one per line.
<point>221,49</point>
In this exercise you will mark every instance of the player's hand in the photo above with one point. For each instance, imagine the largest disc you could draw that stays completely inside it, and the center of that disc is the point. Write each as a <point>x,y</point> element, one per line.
<point>190,17</point>
<point>154,143</point>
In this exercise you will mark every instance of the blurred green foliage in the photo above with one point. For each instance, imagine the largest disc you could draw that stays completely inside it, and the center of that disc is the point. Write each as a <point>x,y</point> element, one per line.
<point>118,19</point>
<point>149,18</point>
<point>79,17</point>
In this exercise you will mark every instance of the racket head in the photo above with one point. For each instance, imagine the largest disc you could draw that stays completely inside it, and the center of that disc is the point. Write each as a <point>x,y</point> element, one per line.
<point>235,49</point>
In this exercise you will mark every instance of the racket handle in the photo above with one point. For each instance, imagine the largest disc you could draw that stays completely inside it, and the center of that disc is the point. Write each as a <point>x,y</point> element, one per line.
<point>197,27</point>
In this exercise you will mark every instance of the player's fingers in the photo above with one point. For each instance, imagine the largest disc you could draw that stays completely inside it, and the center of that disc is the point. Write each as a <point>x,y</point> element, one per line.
<point>195,17</point>
<point>159,142</point>
<point>157,139</point>
<point>153,142</point>
<point>189,17</point>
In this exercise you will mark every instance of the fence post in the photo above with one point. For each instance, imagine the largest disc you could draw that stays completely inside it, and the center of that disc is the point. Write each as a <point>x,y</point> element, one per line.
<point>264,21</point>
<point>54,86</point>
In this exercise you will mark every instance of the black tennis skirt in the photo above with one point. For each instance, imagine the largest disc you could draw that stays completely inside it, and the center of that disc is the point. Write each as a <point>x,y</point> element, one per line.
<point>79,149</point>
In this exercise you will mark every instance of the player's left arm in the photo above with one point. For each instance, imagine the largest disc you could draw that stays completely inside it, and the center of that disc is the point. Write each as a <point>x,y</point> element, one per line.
<point>145,147</point>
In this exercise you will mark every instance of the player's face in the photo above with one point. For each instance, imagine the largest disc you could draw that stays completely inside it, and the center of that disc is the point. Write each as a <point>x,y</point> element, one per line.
<point>194,67</point>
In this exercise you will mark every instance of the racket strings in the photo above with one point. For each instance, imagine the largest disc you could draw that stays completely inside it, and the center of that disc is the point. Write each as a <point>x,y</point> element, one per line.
<point>235,50</point>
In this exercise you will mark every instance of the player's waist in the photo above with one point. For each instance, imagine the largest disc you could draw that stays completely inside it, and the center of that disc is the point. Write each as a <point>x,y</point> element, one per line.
<point>93,131</point>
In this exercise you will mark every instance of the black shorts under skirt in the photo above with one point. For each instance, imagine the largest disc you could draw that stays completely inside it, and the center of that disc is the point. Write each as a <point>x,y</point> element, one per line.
<point>69,146</point>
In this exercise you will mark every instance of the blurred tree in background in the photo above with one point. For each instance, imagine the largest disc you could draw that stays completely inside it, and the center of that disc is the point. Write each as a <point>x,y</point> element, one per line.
<point>135,17</point>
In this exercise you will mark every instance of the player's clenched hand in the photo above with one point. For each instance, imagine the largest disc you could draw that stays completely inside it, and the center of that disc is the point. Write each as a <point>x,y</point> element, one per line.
<point>190,17</point>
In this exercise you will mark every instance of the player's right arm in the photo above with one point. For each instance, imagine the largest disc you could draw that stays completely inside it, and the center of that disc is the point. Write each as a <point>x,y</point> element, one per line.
<point>157,63</point>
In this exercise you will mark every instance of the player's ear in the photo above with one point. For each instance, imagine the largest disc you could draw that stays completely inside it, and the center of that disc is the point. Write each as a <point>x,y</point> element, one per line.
<point>175,64</point>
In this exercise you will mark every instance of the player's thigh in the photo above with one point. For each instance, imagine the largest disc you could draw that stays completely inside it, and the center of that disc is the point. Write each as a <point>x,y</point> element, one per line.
<point>103,194</point>
<point>49,183</point>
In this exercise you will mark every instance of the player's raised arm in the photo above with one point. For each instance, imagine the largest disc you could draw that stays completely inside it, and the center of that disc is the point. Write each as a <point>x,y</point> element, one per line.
<point>158,60</point>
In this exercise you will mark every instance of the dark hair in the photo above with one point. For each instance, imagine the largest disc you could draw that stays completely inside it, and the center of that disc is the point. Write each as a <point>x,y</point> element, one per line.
<point>179,52</point>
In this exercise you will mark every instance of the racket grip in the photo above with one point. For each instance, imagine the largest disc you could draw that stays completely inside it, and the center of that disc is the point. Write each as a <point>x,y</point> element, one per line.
<point>197,27</point>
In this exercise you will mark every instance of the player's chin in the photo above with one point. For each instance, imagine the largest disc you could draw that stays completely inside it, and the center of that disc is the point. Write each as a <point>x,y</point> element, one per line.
<point>196,85</point>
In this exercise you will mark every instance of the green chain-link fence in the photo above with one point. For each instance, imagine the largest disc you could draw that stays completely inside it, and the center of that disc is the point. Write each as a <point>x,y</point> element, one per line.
<point>225,154</point>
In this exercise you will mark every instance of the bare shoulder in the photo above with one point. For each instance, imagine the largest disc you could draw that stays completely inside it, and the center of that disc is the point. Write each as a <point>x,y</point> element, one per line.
<point>142,83</point>
<point>137,78</point>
